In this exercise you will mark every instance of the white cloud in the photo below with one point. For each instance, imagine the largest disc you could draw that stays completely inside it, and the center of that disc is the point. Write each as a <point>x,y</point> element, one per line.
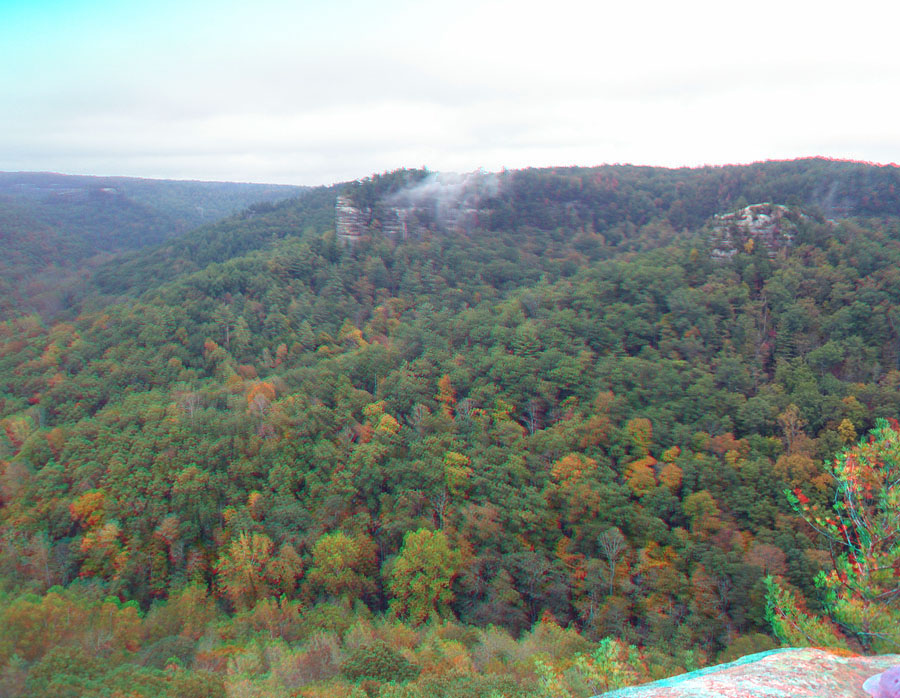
<point>278,91</point>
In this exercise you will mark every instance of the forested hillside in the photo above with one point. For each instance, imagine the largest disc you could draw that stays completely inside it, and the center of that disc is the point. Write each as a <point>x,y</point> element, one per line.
<point>541,454</point>
<point>52,225</point>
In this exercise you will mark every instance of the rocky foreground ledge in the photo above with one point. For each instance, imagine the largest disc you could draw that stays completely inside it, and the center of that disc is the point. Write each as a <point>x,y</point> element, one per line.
<point>785,673</point>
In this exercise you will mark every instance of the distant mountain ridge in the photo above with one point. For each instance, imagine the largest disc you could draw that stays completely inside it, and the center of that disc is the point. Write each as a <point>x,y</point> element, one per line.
<point>76,216</point>
<point>50,224</point>
<point>180,204</point>
<point>600,206</point>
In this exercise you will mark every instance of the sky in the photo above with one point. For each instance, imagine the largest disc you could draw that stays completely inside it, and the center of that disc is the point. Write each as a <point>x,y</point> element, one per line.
<point>313,92</point>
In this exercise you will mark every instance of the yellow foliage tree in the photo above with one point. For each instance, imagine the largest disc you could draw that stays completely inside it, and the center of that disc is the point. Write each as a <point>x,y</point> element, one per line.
<point>446,395</point>
<point>640,475</point>
<point>343,566</point>
<point>247,572</point>
<point>420,577</point>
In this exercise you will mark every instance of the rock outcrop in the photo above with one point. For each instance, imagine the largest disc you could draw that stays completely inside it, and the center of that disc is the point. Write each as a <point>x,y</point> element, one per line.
<point>786,673</point>
<point>771,225</point>
<point>445,202</point>
<point>349,222</point>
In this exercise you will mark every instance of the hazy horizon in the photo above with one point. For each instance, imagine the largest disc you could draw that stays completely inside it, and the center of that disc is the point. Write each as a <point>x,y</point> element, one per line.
<point>369,174</point>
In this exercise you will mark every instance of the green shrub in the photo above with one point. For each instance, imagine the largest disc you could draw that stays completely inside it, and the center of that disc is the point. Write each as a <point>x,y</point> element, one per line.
<point>158,654</point>
<point>378,662</point>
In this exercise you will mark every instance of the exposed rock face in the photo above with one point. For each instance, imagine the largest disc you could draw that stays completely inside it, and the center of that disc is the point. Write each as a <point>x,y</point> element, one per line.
<point>349,221</point>
<point>440,202</point>
<point>771,225</point>
<point>788,673</point>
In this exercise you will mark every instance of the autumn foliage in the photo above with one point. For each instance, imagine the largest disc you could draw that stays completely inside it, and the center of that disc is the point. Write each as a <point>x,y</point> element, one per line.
<point>541,454</point>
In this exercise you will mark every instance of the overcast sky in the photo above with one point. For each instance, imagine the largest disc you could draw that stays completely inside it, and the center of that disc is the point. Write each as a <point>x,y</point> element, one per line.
<point>313,92</point>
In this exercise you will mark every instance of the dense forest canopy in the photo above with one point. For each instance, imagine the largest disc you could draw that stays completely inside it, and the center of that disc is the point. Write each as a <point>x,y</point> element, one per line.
<point>541,449</point>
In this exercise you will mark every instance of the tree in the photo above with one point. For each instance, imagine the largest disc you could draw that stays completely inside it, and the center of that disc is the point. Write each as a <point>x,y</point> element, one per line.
<point>419,579</point>
<point>446,395</point>
<point>189,401</point>
<point>863,531</point>
<point>612,544</point>
<point>343,566</point>
<point>793,625</point>
<point>259,398</point>
<point>640,475</point>
<point>572,487</point>
<point>248,571</point>
<point>703,511</point>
